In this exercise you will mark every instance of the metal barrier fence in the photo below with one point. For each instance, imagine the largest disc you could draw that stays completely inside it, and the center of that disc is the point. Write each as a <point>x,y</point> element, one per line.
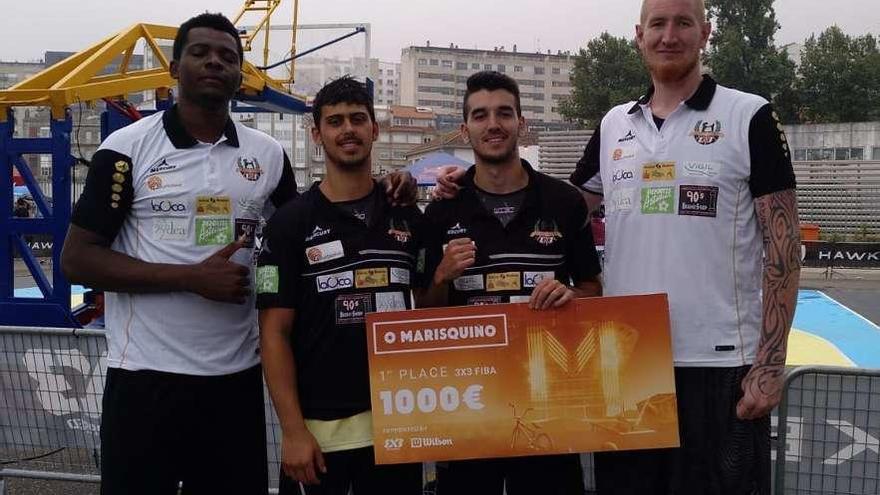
<point>51,384</point>
<point>829,425</point>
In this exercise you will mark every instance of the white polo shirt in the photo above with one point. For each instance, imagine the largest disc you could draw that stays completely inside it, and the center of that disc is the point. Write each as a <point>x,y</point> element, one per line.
<point>163,197</point>
<point>680,213</point>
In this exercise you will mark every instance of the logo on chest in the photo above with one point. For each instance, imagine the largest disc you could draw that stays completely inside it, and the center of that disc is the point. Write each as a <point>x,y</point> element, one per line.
<point>249,168</point>
<point>399,230</point>
<point>706,132</point>
<point>546,232</point>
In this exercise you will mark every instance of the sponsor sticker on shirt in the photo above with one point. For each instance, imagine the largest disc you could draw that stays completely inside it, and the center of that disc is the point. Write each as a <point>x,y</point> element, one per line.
<point>369,278</point>
<point>325,252</point>
<point>213,205</point>
<point>399,275</point>
<point>701,169</point>
<point>170,229</point>
<point>658,171</point>
<point>390,301</point>
<point>468,282</point>
<point>620,200</point>
<point>484,300</point>
<point>247,228</point>
<point>623,154</point>
<point>658,200</point>
<point>335,281</point>
<point>352,308</point>
<point>622,174</point>
<point>267,279</point>
<point>502,281</point>
<point>698,201</point>
<point>519,299</point>
<point>532,279</point>
<point>213,231</point>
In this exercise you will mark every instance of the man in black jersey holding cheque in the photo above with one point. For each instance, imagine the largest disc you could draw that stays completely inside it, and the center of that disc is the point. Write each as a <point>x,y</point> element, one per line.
<point>336,253</point>
<point>511,234</point>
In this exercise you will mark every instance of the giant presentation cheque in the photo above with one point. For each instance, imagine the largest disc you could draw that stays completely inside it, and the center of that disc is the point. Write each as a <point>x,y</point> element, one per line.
<point>504,380</point>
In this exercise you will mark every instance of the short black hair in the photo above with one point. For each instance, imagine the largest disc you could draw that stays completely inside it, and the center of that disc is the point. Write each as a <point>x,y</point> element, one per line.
<point>208,20</point>
<point>346,89</point>
<point>491,80</point>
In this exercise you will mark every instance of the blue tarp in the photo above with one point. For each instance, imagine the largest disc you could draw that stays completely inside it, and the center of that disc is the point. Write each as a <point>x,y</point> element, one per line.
<point>425,170</point>
<point>20,191</point>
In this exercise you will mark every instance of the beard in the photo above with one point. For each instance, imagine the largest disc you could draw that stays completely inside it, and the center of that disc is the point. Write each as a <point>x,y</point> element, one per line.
<point>672,71</point>
<point>349,162</point>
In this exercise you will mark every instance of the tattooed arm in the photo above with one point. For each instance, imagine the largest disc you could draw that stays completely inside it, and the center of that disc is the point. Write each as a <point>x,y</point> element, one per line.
<point>778,218</point>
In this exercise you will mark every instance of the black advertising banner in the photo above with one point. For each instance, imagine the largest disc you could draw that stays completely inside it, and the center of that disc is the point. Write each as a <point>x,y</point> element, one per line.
<point>820,254</point>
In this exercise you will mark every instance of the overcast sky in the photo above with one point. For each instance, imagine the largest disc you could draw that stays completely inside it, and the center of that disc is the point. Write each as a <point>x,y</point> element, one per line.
<point>34,26</point>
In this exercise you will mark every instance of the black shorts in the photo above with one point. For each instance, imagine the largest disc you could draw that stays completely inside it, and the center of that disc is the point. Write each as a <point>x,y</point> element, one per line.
<point>719,454</point>
<point>160,429</point>
<point>544,475</point>
<point>356,470</point>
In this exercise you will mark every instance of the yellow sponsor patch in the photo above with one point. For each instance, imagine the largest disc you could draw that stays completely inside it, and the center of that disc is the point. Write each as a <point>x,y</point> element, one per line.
<point>658,171</point>
<point>371,277</point>
<point>503,281</point>
<point>213,205</point>
<point>122,166</point>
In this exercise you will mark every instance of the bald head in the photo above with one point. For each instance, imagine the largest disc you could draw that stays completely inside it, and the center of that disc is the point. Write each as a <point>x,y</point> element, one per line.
<point>699,9</point>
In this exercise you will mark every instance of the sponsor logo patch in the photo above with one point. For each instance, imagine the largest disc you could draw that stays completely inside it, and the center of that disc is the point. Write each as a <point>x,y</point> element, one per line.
<point>250,207</point>
<point>621,200</point>
<point>658,200</point>
<point>496,282</point>
<point>518,299</point>
<point>622,175</point>
<point>706,132</point>
<point>658,171</point>
<point>456,229</point>
<point>399,230</point>
<point>213,205</point>
<point>399,276</point>
<point>351,308</point>
<point>249,168</point>
<point>485,300</point>
<point>698,201</point>
<point>369,278</point>
<point>628,137</point>
<point>246,227</point>
<point>122,166</point>
<point>532,279</point>
<point>623,154</point>
<point>325,252</point>
<point>170,229</point>
<point>390,301</point>
<point>160,167</point>
<point>468,282</point>
<point>317,232</point>
<point>701,169</point>
<point>213,231</point>
<point>267,279</point>
<point>335,281</point>
<point>546,232</point>
<point>157,182</point>
<point>168,206</point>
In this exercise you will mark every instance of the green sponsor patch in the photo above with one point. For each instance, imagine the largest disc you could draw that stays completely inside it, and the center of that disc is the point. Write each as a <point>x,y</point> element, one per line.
<point>267,279</point>
<point>658,200</point>
<point>213,231</point>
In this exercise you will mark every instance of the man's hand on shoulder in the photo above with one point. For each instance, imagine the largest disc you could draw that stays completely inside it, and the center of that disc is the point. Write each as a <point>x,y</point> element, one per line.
<point>447,182</point>
<point>219,279</point>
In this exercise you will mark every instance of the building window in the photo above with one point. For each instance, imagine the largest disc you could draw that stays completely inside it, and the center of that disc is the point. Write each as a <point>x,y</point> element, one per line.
<point>517,68</point>
<point>380,72</point>
<point>539,71</point>
<point>502,68</point>
<point>390,72</point>
<point>461,66</point>
<point>475,66</point>
<point>561,84</point>
<point>390,82</point>
<point>875,153</point>
<point>487,67</point>
<point>447,64</point>
<point>800,154</point>
<point>434,61</point>
<point>856,153</point>
<point>384,155</point>
<point>423,61</point>
<point>841,154</point>
<point>556,71</point>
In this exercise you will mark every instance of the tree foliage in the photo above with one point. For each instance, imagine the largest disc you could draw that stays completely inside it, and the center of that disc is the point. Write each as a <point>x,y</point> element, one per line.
<point>607,73</point>
<point>840,78</point>
<point>742,53</point>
